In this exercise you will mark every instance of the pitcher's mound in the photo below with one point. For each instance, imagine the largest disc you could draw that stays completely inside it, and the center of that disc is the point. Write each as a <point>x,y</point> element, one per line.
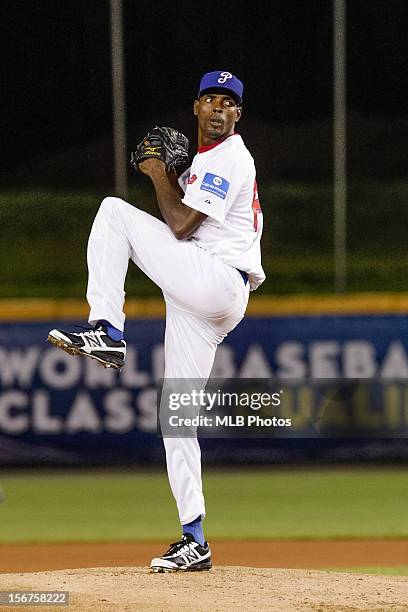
<point>221,589</point>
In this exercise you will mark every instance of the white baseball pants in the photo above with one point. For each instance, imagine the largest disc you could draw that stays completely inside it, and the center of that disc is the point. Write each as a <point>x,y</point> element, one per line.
<point>205,299</point>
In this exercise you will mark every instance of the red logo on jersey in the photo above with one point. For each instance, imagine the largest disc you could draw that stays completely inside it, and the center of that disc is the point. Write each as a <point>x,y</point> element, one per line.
<point>192,179</point>
<point>256,206</point>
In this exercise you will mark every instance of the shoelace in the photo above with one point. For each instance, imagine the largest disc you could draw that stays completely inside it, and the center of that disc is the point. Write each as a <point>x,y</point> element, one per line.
<point>90,332</point>
<point>179,546</point>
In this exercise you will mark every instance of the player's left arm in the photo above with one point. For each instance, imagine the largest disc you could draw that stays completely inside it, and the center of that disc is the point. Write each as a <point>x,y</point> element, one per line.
<point>181,219</point>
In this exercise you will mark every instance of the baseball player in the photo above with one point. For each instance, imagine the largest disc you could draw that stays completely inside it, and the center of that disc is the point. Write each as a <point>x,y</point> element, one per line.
<point>205,258</point>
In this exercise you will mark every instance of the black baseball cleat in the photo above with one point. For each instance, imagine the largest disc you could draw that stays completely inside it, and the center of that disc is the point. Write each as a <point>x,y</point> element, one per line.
<point>93,343</point>
<point>187,555</point>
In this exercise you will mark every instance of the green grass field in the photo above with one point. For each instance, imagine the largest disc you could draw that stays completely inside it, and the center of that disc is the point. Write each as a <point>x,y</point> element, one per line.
<point>45,233</point>
<point>399,570</point>
<point>256,504</point>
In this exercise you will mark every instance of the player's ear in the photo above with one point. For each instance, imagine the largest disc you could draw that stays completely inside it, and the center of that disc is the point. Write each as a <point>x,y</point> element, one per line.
<point>239,113</point>
<point>195,107</point>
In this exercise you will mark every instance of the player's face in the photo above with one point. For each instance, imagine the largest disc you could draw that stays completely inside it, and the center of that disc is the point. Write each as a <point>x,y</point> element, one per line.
<point>217,115</point>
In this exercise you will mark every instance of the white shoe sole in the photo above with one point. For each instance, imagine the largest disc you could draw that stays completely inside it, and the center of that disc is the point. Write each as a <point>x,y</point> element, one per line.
<point>198,567</point>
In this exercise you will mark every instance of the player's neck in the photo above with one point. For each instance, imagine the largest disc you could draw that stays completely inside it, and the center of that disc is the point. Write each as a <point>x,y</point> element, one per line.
<point>204,144</point>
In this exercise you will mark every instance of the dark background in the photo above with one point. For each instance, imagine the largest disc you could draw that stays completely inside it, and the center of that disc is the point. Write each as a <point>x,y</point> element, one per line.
<point>56,126</point>
<point>57,91</point>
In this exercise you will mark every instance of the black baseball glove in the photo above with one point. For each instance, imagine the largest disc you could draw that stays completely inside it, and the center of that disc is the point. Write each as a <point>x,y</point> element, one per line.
<point>164,143</point>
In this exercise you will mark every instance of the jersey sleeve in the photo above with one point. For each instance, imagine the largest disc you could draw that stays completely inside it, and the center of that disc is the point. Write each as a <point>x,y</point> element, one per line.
<point>214,188</point>
<point>183,178</point>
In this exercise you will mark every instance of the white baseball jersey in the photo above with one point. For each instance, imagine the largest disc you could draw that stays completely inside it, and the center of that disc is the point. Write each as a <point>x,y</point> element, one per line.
<point>221,183</point>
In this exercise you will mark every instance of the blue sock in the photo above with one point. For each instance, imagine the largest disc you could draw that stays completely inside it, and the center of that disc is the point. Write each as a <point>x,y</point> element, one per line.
<point>113,333</point>
<point>196,530</point>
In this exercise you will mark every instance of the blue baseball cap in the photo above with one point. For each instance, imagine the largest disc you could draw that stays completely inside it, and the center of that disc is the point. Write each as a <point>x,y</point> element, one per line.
<point>222,81</point>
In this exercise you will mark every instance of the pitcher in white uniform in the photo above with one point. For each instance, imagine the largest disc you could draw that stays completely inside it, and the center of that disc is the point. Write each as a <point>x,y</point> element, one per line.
<point>205,258</point>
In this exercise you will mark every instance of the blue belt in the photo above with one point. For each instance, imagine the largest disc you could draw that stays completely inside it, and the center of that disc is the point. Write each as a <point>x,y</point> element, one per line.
<point>244,276</point>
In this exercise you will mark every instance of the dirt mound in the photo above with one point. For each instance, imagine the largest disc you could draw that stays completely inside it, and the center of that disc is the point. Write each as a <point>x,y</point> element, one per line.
<point>221,589</point>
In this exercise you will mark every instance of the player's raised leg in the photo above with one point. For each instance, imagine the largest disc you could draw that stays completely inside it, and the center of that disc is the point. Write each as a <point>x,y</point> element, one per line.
<point>189,276</point>
<point>119,231</point>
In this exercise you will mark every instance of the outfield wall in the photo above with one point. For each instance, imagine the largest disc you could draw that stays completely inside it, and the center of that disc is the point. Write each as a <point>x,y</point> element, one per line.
<point>58,409</point>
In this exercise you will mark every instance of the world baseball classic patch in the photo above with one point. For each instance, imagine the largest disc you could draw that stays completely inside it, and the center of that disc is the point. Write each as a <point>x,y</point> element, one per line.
<point>215,184</point>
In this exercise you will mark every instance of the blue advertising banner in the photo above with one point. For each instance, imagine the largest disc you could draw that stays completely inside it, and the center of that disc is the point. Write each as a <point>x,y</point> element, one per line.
<point>62,409</point>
